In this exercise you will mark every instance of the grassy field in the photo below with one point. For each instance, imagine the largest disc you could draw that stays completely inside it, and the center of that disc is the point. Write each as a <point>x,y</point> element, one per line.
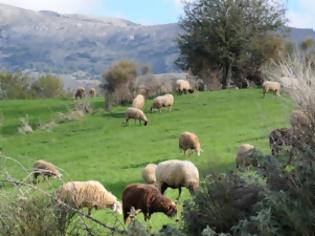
<point>98,147</point>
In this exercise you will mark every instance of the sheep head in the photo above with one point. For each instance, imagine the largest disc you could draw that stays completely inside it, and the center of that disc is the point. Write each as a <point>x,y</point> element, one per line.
<point>116,207</point>
<point>165,205</point>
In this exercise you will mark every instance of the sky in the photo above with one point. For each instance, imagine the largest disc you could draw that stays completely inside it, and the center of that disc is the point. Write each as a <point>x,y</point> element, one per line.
<point>301,13</point>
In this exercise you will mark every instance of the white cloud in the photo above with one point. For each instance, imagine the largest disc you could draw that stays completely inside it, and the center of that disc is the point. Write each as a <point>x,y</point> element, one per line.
<point>61,6</point>
<point>302,16</point>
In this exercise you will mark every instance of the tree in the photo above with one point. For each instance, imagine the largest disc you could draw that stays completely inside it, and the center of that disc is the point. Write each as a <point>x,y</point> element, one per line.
<point>307,44</point>
<point>228,35</point>
<point>14,86</point>
<point>48,86</point>
<point>119,79</point>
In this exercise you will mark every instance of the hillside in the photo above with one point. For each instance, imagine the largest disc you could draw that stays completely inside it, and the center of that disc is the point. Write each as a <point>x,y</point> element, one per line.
<point>98,146</point>
<point>76,46</point>
<point>50,42</point>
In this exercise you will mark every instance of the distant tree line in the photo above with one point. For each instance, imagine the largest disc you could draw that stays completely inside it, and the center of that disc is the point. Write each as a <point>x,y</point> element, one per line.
<point>20,86</point>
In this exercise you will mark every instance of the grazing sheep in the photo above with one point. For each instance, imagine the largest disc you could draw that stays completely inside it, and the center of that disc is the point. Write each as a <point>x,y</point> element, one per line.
<point>90,194</point>
<point>183,86</point>
<point>166,100</point>
<point>92,92</point>
<point>148,174</point>
<point>177,174</point>
<point>80,93</point>
<point>136,114</point>
<point>243,158</point>
<point>271,86</point>
<point>188,140</point>
<point>279,138</point>
<point>138,102</point>
<point>46,169</point>
<point>148,199</point>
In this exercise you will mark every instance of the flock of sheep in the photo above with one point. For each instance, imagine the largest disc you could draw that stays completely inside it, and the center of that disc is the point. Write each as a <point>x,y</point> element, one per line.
<point>147,197</point>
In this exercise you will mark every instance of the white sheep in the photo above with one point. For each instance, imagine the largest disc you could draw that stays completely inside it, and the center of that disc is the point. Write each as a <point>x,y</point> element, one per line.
<point>166,100</point>
<point>189,141</point>
<point>177,174</point>
<point>45,168</point>
<point>183,86</point>
<point>148,174</point>
<point>243,157</point>
<point>271,86</point>
<point>136,114</point>
<point>90,194</point>
<point>138,102</point>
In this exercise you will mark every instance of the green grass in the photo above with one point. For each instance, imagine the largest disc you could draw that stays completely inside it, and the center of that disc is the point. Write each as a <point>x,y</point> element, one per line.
<point>98,147</point>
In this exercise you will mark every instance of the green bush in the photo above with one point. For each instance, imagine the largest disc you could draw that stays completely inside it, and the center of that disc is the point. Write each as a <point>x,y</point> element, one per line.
<point>14,86</point>
<point>48,86</point>
<point>119,83</point>
<point>220,203</point>
<point>19,86</point>
<point>28,214</point>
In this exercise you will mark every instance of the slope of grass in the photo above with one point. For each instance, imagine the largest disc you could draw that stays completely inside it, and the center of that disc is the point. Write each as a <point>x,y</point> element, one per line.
<point>98,146</point>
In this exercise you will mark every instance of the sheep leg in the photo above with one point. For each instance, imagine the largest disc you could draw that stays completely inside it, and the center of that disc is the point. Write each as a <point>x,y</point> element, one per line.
<point>89,211</point>
<point>179,193</point>
<point>35,180</point>
<point>163,187</point>
<point>127,119</point>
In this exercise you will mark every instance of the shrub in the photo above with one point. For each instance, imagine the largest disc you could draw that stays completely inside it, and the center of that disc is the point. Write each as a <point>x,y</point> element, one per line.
<point>23,213</point>
<point>119,83</point>
<point>48,86</point>
<point>20,86</point>
<point>14,86</point>
<point>220,203</point>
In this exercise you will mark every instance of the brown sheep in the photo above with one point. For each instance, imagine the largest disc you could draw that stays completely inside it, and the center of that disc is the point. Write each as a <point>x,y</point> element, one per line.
<point>148,199</point>
<point>80,93</point>
<point>46,169</point>
<point>189,140</point>
<point>279,138</point>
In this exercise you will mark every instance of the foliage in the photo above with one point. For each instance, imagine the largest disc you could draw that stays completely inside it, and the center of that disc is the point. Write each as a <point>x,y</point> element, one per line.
<point>119,79</point>
<point>47,86</point>
<point>14,86</point>
<point>20,86</point>
<point>220,203</point>
<point>232,36</point>
<point>23,213</point>
<point>307,44</point>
